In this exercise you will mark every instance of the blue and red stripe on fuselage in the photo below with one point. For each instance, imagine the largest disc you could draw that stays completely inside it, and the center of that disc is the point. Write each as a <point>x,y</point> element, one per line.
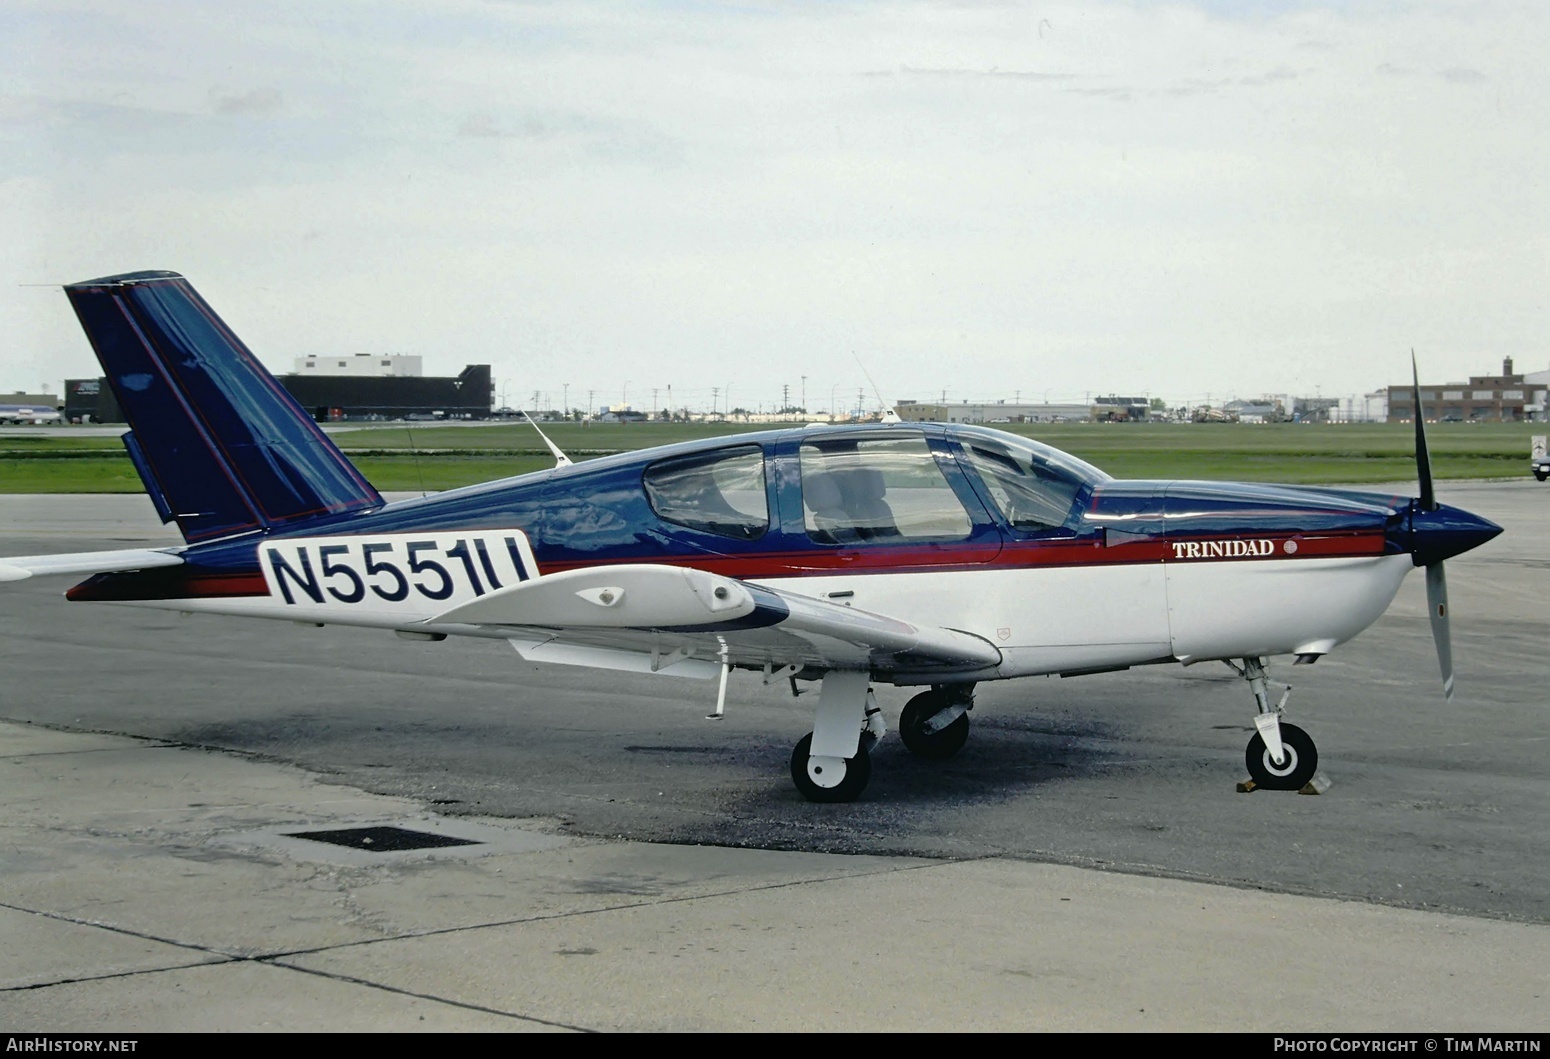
<point>597,514</point>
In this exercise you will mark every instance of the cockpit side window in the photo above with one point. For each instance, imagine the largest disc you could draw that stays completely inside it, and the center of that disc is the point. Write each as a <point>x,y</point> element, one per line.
<point>1031,495</point>
<point>885,490</point>
<point>719,492</point>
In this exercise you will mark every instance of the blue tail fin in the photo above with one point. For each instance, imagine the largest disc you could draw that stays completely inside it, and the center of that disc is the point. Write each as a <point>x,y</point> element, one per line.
<point>220,444</point>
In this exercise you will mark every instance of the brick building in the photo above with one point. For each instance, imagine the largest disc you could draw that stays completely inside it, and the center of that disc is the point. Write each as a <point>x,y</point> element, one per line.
<point>1503,398</point>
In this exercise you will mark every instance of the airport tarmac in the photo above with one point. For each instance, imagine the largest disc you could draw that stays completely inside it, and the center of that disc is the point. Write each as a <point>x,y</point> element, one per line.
<point>1084,864</point>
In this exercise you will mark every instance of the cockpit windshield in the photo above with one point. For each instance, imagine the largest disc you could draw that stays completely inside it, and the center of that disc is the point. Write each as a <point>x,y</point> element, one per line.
<point>1034,486</point>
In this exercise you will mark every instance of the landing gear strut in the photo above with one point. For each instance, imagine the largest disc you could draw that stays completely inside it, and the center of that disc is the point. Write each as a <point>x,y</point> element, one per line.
<point>833,763</point>
<point>1280,756</point>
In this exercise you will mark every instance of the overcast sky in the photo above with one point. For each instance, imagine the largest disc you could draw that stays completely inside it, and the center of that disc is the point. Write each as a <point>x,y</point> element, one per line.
<point>1173,199</point>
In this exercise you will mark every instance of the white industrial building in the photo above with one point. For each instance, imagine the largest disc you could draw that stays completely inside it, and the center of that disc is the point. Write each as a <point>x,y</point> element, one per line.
<point>402,365</point>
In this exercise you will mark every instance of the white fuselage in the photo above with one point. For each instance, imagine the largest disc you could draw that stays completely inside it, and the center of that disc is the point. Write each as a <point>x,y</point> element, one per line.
<point>1043,619</point>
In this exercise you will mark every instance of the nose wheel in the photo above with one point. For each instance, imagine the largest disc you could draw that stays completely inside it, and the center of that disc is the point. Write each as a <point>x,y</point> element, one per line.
<point>1280,756</point>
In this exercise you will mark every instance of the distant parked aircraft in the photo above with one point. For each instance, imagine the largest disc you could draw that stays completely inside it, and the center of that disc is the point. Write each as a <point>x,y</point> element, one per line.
<point>19,414</point>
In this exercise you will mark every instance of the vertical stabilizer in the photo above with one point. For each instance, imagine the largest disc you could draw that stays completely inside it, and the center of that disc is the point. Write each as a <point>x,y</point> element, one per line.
<point>220,444</point>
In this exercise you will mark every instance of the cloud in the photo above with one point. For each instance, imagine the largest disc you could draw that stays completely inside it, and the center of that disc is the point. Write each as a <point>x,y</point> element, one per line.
<point>1198,85</point>
<point>481,125</point>
<point>1116,195</point>
<point>1460,75</point>
<point>992,73</point>
<point>526,127</point>
<point>1117,94</point>
<point>1270,77</point>
<point>256,101</point>
<point>573,135</point>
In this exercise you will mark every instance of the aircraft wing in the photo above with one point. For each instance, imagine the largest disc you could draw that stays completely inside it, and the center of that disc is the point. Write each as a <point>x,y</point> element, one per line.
<point>687,622</point>
<point>21,567</point>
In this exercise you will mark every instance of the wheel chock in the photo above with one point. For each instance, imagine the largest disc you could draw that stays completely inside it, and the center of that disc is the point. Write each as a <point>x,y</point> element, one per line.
<point>1247,787</point>
<point>1317,785</point>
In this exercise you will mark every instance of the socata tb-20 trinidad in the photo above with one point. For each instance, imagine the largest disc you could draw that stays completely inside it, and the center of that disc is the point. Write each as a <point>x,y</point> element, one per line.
<point>923,556</point>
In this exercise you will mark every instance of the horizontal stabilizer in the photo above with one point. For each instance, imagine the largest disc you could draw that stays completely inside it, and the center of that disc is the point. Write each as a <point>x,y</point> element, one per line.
<point>21,567</point>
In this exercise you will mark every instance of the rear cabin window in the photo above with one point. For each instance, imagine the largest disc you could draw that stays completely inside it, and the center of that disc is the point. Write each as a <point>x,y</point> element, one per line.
<point>1032,495</point>
<point>719,492</point>
<point>878,490</point>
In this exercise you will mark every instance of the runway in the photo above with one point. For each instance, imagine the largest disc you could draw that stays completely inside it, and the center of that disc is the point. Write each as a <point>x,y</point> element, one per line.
<point>1434,808</point>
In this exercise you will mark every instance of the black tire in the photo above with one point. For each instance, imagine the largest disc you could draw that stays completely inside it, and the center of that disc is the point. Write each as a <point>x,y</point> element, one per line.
<point>1292,774</point>
<point>1541,475</point>
<point>935,746</point>
<point>858,772</point>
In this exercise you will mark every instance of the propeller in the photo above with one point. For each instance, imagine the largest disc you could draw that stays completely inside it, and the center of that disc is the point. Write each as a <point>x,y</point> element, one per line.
<point>1437,608</point>
<point>1436,578</point>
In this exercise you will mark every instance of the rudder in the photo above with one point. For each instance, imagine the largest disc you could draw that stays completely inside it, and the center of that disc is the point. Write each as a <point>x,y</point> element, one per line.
<point>222,447</point>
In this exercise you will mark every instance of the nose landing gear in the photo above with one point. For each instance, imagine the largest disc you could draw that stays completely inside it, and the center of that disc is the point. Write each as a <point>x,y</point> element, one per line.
<point>1280,756</point>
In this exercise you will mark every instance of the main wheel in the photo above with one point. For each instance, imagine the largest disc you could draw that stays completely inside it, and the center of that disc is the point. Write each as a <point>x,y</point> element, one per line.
<point>858,771</point>
<point>939,745</point>
<point>1299,762</point>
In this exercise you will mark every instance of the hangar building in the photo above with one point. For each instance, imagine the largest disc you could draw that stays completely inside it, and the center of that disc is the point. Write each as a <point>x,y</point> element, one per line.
<point>330,397</point>
<point>1504,398</point>
<point>468,395</point>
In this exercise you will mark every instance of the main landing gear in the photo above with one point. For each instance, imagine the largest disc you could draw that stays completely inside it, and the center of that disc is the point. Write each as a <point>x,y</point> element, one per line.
<point>935,723</point>
<point>833,763</point>
<point>1280,756</point>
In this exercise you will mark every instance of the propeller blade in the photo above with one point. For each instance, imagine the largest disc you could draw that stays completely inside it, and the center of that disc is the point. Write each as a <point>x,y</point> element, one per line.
<point>1423,458</point>
<point>1437,610</point>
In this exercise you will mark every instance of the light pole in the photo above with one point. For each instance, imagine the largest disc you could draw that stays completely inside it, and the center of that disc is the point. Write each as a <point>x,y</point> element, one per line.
<point>804,396</point>
<point>566,413</point>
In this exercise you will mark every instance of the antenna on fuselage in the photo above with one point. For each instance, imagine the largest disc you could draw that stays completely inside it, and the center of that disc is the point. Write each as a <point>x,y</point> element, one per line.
<point>560,459</point>
<point>888,414</point>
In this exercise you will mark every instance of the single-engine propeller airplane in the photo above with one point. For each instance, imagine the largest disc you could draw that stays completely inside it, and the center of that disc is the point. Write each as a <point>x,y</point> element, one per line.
<point>926,556</point>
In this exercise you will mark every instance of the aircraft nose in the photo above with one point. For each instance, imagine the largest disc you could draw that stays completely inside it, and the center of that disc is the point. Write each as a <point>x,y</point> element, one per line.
<point>1445,532</point>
